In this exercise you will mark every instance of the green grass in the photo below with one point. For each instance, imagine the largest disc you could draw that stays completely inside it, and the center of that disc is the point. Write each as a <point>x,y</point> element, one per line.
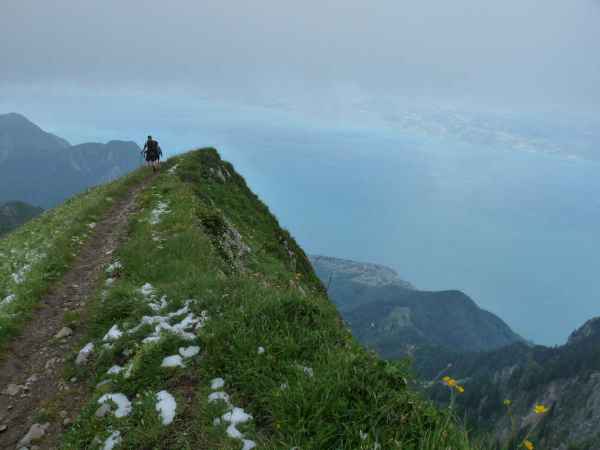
<point>47,246</point>
<point>314,386</point>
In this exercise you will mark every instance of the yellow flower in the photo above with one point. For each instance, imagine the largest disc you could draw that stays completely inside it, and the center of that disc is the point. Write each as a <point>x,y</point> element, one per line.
<point>528,444</point>
<point>460,388</point>
<point>540,409</point>
<point>446,378</point>
<point>451,382</point>
<point>507,402</point>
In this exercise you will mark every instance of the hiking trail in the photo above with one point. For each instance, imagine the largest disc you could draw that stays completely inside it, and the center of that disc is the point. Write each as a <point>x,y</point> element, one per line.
<point>31,367</point>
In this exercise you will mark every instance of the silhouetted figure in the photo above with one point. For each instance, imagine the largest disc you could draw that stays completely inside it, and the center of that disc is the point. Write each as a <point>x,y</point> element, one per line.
<point>152,152</point>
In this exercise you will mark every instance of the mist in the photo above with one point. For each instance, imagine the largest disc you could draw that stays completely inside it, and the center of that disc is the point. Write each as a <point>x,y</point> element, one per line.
<point>460,140</point>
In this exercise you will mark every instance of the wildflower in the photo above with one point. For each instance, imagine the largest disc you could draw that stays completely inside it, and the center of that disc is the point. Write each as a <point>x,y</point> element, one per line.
<point>528,444</point>
<point>460,389</point>
<point>507,402</point>
<point>540,409</point>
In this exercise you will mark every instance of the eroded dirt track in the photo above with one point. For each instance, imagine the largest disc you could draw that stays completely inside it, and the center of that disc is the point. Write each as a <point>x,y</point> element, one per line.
<point>33,362</point>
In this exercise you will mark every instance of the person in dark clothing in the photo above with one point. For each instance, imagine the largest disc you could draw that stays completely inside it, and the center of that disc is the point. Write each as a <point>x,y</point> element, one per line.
<point>152,153</point>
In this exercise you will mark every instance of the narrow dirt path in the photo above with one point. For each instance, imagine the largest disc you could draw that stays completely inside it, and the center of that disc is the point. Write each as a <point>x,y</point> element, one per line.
<point>32,368</point>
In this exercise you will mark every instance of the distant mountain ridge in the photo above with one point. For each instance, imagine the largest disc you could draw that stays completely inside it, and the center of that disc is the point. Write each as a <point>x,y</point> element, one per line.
<point>13,214</point>
<point>43,169</point>
<point>566,379</point>
<point>391,316</point>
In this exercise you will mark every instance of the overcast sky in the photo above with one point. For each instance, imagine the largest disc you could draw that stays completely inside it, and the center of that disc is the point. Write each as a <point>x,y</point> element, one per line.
<point>533,54</point>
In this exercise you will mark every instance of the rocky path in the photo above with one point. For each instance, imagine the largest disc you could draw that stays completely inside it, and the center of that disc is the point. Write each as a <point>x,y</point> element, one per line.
<point>31,370</point>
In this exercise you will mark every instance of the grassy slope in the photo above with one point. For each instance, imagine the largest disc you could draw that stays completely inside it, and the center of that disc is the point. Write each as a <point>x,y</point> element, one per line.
<point>41,251</point>
<point>314,387</point>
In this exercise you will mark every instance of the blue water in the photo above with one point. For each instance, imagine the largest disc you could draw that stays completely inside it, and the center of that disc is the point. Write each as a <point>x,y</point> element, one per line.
<point>517,231</point>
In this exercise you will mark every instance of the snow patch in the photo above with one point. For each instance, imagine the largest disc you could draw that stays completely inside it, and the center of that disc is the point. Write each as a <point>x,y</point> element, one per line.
<point>112,441</point>
<point>146,290</point>
<point>188,352</point>
<point>114,266</point>
<point>166,406</point>
<point>217,383</point>
<point>161,208</point>
<point>173,361</point>
<point>114,370</point>
<point>215,396</point>
<point>113,334</point>
<point>123,404</point>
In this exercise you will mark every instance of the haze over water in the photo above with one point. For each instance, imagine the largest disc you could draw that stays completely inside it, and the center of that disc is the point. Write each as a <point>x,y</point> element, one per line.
<point>457,142</point>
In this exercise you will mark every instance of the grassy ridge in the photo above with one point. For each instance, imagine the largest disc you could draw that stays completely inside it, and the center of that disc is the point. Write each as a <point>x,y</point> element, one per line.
<point>271,334</point>
<point>41,251</point>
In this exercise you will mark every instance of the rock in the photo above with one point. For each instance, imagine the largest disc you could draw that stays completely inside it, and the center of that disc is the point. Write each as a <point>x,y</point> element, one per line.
<point>63,333</point>
<point>103,410</point>
<point>13,389</point>
<point>84,354</point>
<point>35,447</point>
<point>32,379</point>
<point>35,433</point>
<point>67,422</point>
<point>3,428</point>
<point>63,414</point>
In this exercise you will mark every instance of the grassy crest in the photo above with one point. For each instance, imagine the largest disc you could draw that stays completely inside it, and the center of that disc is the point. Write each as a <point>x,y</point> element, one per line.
<point>40,252</point>
<point>217,260</point>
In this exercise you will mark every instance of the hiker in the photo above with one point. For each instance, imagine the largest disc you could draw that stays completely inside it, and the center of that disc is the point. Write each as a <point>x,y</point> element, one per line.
<point>152,153</point>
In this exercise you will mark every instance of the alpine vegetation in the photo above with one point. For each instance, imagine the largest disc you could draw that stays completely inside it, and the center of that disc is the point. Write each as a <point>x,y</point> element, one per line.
<point>209,329</point>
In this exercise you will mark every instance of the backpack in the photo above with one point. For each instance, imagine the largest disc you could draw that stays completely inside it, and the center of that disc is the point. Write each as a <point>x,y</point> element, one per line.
<point>153,148</point>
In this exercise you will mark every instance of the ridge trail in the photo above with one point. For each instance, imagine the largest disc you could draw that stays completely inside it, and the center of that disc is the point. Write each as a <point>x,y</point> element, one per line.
<point>34,361</point>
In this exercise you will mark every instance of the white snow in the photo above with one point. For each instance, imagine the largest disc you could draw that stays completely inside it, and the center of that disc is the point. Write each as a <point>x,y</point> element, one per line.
<point>84,353</point>
<point>146,290</point>
<point>161,208</point>
<point>220,395</point>
<point>8,299</point>
<point>113,334</point>
<point>233,432</point>
<point>308,371</point>
<point>114,266</point>
<point>123,404</point>
<point>217,383</point>
<point>248,444</point>
<point>113,440</point>
<point>236,415</point>
<point>115,370</point>
<point>158,305</point>
<point>172,361</point>
<point>188,352</point>
<point>166,406</point>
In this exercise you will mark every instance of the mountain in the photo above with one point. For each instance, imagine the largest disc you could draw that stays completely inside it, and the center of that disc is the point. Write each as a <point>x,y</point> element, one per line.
<point>391,316</point>
<point>13,214</point>
<point>171,311</point>
<point>43,169</point>
<point>565,379</point>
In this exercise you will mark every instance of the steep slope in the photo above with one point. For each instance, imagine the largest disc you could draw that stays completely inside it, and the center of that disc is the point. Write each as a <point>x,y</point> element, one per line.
<point>42,169</point>
<point>389,315</point>
<point>566,379</point>
<point>210,330</point>
<point>13,214</point>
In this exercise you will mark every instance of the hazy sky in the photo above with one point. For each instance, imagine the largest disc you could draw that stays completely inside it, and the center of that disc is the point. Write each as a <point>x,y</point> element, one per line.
<point>492,107</point>
<point>313,54</point>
